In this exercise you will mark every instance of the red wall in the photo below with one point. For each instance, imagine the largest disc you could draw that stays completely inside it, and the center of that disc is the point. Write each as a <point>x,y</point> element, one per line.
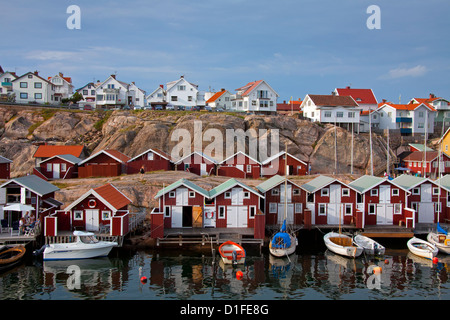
<point>194,165</point>
<point>158,163</point>
<point>49,174</point>
<point>280,163</point>
<point>4,171</point>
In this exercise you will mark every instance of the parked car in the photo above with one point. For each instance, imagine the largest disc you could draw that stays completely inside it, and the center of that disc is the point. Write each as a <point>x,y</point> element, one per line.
<point>158,108</point>
<point>208,108</point>
<point>219,110</point>
<point>170,107</point>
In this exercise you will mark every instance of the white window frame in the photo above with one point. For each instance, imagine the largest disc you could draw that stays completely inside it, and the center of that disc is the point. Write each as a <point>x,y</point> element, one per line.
<point>250,214</point>
<point>374,192</point>
<point>106,214</point>
<point>221,210</point>
<point>348,205</point>
<point>324,206</point>
<point>416,191</point>
<point>296,192</point>
<point>325,192</point>
<point>435,191</point>
<point>275,192</point>
<point>397,208</point>
<point>298,207</point>
<point>167,212</point>
<point>246,195</point>
<point>374,206</point>
<point>78,212</point>
<point>395,192</point>
<point>345,192</point>
<point>172,194</point>
<point>191,194</point>
<point>272,207</point>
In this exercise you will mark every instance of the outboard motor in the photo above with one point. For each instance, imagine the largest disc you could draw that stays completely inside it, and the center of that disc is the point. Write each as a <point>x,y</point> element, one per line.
<point>234,257</point>
<point>38,252</point>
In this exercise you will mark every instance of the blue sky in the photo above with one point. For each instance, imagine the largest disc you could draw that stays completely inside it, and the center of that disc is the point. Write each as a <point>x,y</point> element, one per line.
<point>298,46</point>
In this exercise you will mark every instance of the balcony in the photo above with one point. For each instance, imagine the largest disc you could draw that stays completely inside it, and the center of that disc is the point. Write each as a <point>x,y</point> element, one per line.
<point>403,119</point>
<point>111,90</point>
<point>6,84</point>
<point>406,130</point>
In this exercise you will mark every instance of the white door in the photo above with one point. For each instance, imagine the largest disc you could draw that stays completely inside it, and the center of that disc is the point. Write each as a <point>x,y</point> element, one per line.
<point>237,217</point>
<point>290,213</point>
<point>92,220</point>
<point>56,170</point>
<point>209,217</point>
<point>385,213</point>
<point>385,194</point>
<point>334,207</point>
<point>182,196</point>
<point>203,169</point>
<point>426,206</point>
<point>177,217</point>
<point>288,193</point>
<point>237,196</point>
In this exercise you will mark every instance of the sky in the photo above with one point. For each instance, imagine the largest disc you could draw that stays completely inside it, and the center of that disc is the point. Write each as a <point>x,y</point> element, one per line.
<point>298,47</point>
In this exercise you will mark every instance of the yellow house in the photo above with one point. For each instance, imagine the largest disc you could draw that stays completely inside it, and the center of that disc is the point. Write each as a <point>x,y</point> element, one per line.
<point>445,142</point>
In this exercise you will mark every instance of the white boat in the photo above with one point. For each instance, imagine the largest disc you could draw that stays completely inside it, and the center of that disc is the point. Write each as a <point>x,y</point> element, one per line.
<point>232,253</point>
<point>86,246</point>
<point>370,246</point>
<point>422,248</point>
<point>342,244</point>
<point>283,243</point>
<point>440,239</point>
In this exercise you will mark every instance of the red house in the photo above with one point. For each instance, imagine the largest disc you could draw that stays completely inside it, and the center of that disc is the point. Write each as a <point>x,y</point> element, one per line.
<point>382,201</point>
<point>240,165</point>
<point>426,198</point>
<point>5,168</point>
<point>276,197</point>
<point>105,163</point>
<point>331,201</point>
<point>415,163</point>
<point>197,163</point>
<point>150,160</point>
<point>58,167</point>
<point>236,205</point>
<point>182,204</point>
<point>102,209</point>
<point>278,164</point>
<point>46,151</point>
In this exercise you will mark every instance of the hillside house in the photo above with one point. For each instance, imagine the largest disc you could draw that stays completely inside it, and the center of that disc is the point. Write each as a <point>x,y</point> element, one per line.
<point>32,88</point>
<point>5,168</point>
<point>105,163</point>
<point>240,165</point>
<point>284,163</point>
<point>256,96</point>
<point>63,87</point>
<point>150,160</point>
<point>197,163</point>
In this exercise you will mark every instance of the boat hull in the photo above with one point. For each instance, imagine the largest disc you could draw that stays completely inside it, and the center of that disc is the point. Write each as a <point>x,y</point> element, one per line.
<point>10,257</point>
<point>74,251</point>
<point>283,252</point>
<point>370,246</point>
<point>441,241</point>
<point>422,248</point>
<point>347,250</point>
<point>226,253</point>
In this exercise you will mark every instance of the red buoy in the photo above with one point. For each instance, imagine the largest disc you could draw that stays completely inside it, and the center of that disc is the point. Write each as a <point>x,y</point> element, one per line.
<point>144,279</point>
<point>239,275</point>
<point>435,260</point>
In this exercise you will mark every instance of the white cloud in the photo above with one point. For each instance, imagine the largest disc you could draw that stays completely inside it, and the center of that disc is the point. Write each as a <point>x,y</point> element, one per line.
<point>416,71</point>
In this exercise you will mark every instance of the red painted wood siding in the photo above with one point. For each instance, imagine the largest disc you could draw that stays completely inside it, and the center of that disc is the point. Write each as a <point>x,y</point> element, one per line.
<point>279,167</point>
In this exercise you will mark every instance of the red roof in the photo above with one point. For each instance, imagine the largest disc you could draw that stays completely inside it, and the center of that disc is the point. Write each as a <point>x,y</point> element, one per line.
<point>408,107</point>
<point>47,151</point>
<point>332,100</point>
<point>418,156</point>
<point>117,154</point>
<point>113,196</point>
<point>216,96</point>
<point>249,87</point>
<point>361,96</point>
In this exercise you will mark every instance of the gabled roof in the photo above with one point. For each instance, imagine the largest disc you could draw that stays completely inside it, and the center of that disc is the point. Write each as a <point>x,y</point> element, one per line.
<point>365,183</point>
<point>182,182</point>
<point>406,107</point>
<point>34,74</point>
<point>216,96</point>
<point>116,155</point>
<point>240,153</point>
<point>67,79</point>
<point>409,182</point>
<point>200,154</point>
<point>172,84</point>
<point>322,182</point>
<point>4,160</point>
<point>361,96</point>
<point>420,147</point>
<point>444,182</point>
<point>419,156</point>
<point>67,157</point>
<point>108,194</point>
<point>279,154</point>
<point>249,87</point>
<point>157,151</point>
<point>227,185</point>
<point>33,183</point>
<point>332,100</point>
<point>272,183</point>
<point>47,151</point>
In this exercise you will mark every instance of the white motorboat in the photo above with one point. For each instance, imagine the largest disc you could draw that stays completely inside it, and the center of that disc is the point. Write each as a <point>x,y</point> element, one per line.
<point>371,247</point>
<point>440,239</point>
<point>342,244</point>
<point>422,248</point>
<point>86,246</point>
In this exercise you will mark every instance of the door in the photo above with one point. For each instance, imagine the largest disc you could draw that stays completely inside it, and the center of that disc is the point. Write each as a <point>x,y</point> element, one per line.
<point>203,171</point>
<point>385,194</point>
<point>290,213</point>
<point>385,213</point>
<point>56,170</point>
<point>288,193</point>
<point>182,196</point>
<point>92,220</point>
<point>237,196</point>
<point>426,206</point>
<point>177,217</point>
<point>237,217</point>
<point>209,219</point>
<point>334,207</point>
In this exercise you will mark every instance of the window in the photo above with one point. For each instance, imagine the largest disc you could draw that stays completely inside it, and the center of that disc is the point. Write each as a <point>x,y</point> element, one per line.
<point>436,191</point>
<point>322,209</point>
<point>49,167</point>
<point>78,215</point>
<point>272,207</point>
<point>340,114</point>
<point>106,215</point>
<point>420,125</point>
<point>23,95</point>
<point>374,192</point>
<point>327,114</point>
<point>110,86</point>
<point>85,92</point>
<point>24,84</point>
<point>38,85</point>
<point>252,212</point>
<point>372,208</point>
<point>416,191</point>
<point>351,114</point>
<point>421,114</point>
<point>228,195</point>
<point>415,206</point>
<point>246,195</point>
<point>397,208</point>
<point>181,88</point>
<point>298,207</point>
<point>63,167</point>
<point>395,192</point>
<point>437,206</point>
<point>221,214</point>
<point>174,98</point>
<point>324,192</point>
<point>275,192</point>
<point>38,96</point>
<point>189,98</point>
<point>346,192</point>
<point>249,168</point>
<point>191,194</point>
<point>296,192</point>
<point>172,194</point>
<point>167,211</point>
<point>348,209</point>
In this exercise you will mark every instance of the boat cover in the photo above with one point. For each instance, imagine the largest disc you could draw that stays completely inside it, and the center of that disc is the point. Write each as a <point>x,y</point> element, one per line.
<point>281,240</point>
<point>439,228</point>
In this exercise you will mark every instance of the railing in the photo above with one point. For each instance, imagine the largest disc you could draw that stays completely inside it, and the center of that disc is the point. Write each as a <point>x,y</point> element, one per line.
<point>6,84</point>
<point>403,119</point>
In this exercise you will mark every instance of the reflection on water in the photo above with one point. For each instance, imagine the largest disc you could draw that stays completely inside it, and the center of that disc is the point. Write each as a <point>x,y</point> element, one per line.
<point>172,275</point>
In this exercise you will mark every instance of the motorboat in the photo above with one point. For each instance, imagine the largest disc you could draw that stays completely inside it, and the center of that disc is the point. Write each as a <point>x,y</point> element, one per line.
<point>86,246</point>
<point>440,239</point>
<point>232,253</point>
<point>10,256</point>
<point>422,248</point>
<point>371,247</point>
<point>342,244</point>
<point>283,243</point>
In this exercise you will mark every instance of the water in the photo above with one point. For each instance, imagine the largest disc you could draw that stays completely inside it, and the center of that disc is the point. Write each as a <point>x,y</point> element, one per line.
<point>187,276</point>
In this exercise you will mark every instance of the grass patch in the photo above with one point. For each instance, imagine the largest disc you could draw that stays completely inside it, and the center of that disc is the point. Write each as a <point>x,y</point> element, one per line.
<point>104,117</point>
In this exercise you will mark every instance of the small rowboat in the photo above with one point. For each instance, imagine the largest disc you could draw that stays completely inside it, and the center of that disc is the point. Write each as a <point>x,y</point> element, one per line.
<point>422,248</point>
<point>440,239</point>
<point>232,253</point>
<point>11,257</point>
<point>342,244</point>
<point>370,246</point>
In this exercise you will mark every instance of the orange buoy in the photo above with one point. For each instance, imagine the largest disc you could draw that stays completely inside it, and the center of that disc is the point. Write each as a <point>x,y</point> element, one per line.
<point>377,270</point>
<point>386,261</point>
<point>239,275</point>
<point>435,260</point>
<point>144,279</point>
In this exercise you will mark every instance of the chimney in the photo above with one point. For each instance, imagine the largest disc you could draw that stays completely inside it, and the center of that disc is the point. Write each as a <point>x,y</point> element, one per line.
<point>161,86</point>
<point>114,76</point>
<point>432,96</point>
<point>222,89</point>
<point>347,87</point>
<point>384,100</point>
<point>36,73</point>
<point>61,74</point>
<point>284,101</point>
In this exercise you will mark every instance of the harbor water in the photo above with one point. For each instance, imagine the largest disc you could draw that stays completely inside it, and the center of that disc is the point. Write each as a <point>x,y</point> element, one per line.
<point>313,274</point>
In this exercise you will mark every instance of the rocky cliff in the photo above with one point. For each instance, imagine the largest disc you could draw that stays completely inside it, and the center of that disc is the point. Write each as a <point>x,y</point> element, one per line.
<point>132,132</point>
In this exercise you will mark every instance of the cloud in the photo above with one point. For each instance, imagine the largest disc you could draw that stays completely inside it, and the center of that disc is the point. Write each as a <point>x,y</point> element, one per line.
<point>416,71</point>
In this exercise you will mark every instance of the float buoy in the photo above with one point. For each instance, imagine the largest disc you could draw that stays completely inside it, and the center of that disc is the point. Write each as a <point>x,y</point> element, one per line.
<point>377,270</point>
<point>435,260</point>
<point>239,275</point>
<point>144,279</point>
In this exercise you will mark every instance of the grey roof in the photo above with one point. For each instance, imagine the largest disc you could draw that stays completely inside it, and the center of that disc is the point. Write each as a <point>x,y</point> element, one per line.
<point>34,183</point>
<point>444,182</point>
<point>317,183</point>
<point>272,183</point>
<point>408,182</point>
<point>68,157</point>
<point>228,185</point>
<point>4,160</point>
<point>366,182</point>
<point>182,182</point>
